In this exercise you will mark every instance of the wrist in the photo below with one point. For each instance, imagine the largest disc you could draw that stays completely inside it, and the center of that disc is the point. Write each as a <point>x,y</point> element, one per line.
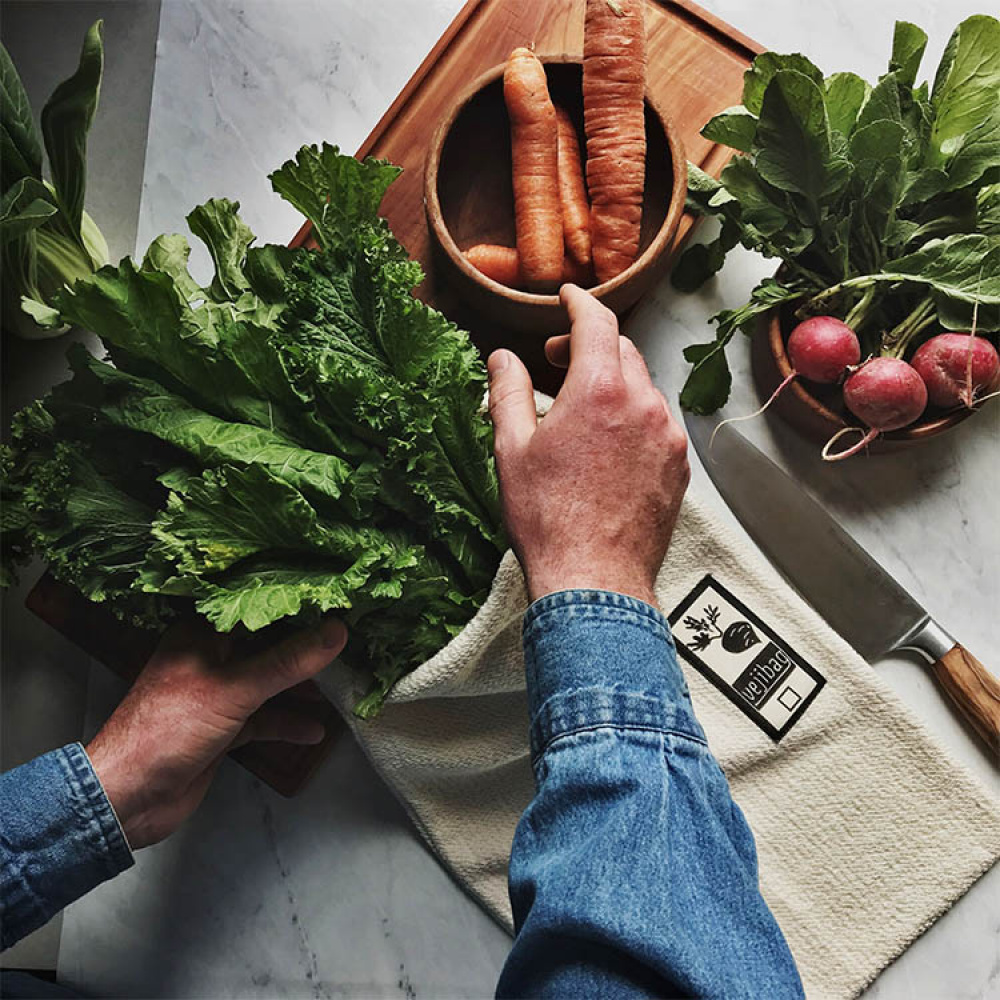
<point>123,787</point>
<point>541,585</point>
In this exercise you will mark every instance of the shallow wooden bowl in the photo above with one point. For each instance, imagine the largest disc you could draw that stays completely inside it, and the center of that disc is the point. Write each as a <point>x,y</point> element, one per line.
<point>468,195</point>
<point>818,411</point>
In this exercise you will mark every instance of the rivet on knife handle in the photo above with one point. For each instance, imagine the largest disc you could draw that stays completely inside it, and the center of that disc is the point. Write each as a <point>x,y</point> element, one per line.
<point>974,690</point>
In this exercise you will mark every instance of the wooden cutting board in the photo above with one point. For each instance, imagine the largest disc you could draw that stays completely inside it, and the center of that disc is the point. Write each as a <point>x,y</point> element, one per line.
<point>696,65</point>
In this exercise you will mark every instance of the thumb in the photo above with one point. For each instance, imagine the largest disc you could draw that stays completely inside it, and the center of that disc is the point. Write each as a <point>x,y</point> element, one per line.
<point>293,660</point>
<point>512,401</point>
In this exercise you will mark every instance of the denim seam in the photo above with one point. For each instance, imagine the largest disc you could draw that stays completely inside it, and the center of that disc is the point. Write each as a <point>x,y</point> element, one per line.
<point>573,601</point>
<point>99,822</point>
<point>542,622</point>
<point>551,742</point>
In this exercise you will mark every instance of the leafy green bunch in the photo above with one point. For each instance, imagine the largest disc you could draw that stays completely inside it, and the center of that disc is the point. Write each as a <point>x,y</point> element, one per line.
<point>46,238</point>
<point>300,436</point>
<point>882,202</point>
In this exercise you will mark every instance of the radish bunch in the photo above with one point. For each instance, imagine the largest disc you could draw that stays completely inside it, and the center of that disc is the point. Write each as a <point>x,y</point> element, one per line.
<point>887,393</point>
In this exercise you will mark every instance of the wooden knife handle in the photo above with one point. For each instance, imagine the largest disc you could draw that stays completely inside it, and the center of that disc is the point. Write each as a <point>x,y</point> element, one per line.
<point>974,690</point>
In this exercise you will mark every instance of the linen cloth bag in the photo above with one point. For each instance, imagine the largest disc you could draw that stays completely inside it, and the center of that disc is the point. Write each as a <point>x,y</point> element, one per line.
<point>866,829</point>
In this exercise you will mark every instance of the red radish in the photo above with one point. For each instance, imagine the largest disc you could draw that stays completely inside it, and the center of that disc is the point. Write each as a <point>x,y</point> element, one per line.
<point>821,349</point>
<point>957,368</point>
<point>886,394</point>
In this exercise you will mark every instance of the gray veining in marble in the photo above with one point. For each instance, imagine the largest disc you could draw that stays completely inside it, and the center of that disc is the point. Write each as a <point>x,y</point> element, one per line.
<point>331,894</point>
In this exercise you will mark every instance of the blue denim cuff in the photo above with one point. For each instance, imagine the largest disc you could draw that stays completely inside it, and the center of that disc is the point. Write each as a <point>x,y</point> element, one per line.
<point>597,658</point>
<point>60,838</point>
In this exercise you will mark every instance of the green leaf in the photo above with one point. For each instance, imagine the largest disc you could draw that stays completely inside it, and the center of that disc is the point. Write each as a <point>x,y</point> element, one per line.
<point>966,125</point>
<point>66,120</point>
<point>963,316</point>
<point>218,225</point>
<point>908,45</point>
<point>965,267</point>
<point>336,193</point>
<point>793,137</point>
<point>978,153</point>
<point>988,211</point>
<point>761,205</point>
<point>24,207</point>
<point>170,254</point>
<point>883,103</point>
<point>701,260</point>
<point>709,382</point>
<point>20,150</point>
<point>846,93</point>
<point>45,317</point>
<point>735,127</point>
<point>763,70</point>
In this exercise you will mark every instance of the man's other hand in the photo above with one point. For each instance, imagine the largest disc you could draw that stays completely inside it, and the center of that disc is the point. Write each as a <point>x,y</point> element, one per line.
<point>592,491</point>
<point>192,703</point>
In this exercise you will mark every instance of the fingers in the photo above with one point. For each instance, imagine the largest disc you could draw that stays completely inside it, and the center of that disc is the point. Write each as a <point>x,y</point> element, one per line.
<point>293,660</point>
<point>557,351</point>
<point>634,369</point>
<point>512,401</point>
<point>276,723</point>
<point>593,337</point>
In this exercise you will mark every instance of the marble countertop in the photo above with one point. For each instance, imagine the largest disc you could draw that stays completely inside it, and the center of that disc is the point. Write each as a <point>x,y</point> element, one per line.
<point>332,893</point>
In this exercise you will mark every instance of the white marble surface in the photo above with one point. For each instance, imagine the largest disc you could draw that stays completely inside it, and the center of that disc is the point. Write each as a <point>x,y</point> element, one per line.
<point>331,894</point>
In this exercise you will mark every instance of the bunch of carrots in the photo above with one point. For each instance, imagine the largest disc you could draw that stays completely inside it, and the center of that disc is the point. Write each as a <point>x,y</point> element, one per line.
<point>568,230</point>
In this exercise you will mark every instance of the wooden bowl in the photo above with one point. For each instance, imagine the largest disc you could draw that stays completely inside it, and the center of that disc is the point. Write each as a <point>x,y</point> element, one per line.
<point>818,411</point>
<point>468,195</point>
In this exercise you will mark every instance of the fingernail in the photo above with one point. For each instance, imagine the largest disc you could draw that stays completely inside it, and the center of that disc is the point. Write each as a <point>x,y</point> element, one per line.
<point>498,362</point>
<point>333,633</point>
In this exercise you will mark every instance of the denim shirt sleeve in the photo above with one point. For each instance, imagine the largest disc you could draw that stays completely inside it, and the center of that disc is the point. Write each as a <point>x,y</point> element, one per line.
<point>59,837</point>
<point>632,872</point>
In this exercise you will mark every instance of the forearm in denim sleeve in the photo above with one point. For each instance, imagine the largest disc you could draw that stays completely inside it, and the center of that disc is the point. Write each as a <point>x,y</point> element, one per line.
<point>59,837</point>
<point>632,871</point>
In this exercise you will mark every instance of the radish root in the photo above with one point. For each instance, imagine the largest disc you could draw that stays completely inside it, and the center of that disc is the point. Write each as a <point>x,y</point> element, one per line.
<point>749,416</point>
<point>866,439</point>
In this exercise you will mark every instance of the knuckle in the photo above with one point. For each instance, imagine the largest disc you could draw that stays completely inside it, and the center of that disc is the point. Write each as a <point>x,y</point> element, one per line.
<point>676,441</point>
<point>606,389</point>
<point>653,412</point>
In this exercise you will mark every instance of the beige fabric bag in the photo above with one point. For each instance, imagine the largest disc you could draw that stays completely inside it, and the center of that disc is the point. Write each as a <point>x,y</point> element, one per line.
<point>866,829</point>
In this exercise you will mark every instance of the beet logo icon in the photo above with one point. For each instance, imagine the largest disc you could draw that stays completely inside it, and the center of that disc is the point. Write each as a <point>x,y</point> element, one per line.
<point>737,638</point>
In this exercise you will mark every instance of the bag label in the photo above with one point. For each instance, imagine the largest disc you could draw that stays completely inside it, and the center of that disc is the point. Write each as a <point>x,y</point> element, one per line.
<point>744,657</point>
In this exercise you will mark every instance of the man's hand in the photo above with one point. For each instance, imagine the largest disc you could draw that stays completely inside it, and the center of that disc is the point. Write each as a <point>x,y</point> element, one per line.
<point>591,493</point>
<point>192,703</point>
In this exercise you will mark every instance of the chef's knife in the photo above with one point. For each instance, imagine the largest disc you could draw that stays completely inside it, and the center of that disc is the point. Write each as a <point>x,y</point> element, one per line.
<point>837,577</point>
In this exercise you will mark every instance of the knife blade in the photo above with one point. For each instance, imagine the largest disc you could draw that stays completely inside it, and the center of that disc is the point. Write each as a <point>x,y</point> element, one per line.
<point>834,574</point>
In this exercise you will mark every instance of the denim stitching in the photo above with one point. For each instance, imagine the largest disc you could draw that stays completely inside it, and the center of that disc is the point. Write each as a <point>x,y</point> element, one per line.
<point>589,708</point>
<point>545,620</point>
<point>538,755</point>
<point>98,820</point>
<point>602,599</point>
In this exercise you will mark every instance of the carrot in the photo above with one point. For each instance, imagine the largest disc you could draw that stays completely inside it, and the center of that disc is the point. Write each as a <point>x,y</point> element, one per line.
<point>535,160</point>
<point>614,83</point>
<point>572,191</point>
<point>499,263</point>
<point>503,264</point>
